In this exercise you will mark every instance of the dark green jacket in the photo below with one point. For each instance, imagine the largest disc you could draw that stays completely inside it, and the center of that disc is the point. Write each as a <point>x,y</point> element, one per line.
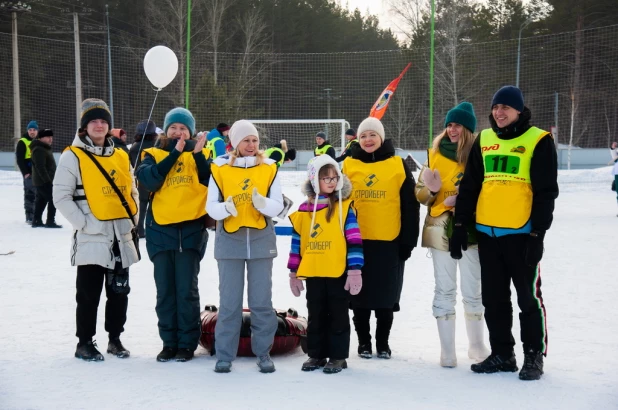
<point>183,236</point>
<point>43,163</point>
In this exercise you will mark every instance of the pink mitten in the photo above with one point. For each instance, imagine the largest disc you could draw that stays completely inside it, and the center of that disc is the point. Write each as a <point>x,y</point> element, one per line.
<point>296,285</point>
<point>354,282</point>
<point>432,180</point>
<point>450,201</point>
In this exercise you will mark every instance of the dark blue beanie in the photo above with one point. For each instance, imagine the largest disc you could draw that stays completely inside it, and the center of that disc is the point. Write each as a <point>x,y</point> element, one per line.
<point>509,95</point>
<point>145,127</point>
<point>462,114</point>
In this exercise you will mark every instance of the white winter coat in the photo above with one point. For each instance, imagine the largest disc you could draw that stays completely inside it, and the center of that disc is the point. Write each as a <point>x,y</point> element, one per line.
<point>92,239</point>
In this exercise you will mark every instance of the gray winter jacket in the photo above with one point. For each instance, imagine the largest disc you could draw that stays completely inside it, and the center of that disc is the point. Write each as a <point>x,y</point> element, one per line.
<point>92,239</point>
<point>246,243</point>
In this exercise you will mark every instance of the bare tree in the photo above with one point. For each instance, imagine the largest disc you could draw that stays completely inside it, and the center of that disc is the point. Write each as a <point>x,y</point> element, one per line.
<point>214,18</point>
<point>408,15</point>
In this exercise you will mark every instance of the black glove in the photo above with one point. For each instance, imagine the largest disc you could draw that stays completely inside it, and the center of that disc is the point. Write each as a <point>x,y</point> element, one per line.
<point>405,251</point>
<point>458,241</point>
<point>534,248</point>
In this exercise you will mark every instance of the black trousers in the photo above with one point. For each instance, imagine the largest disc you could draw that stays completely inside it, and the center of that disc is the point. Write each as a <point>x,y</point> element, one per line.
<point>143,208</point>
<point>384,322</point>
<point>328,330</point>
<point>90,282</point>
<point>44,199</point>
<point>29,196</point>
<point>502,261</point>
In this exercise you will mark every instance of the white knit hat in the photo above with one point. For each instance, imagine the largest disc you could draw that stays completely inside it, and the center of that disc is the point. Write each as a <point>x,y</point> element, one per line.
<point>371,124</point>
<point>240,130</point>
<point>313,171</point>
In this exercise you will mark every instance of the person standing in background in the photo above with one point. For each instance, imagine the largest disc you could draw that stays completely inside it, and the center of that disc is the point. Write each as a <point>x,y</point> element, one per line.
<point>324,147</point>
<point>350,136</point>
<point>43,171</point>
<point>145,136</point>
<point>216,140</point>
<point>22,156</point>
<point>119,137</point>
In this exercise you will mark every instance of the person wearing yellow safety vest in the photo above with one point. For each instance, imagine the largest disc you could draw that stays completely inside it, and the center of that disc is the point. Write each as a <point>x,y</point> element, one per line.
<point>437,189</point>
<point>244,195</point>
<point>327,252</point>
<point>103,246</point>
<point>280,153</point>
<point>511,183</point>
<point>176,172</point>
<point>350,136</point>
<point>324,147</point>
<point>388,217</point>
<point>23,158</point>
<point>216,139</point>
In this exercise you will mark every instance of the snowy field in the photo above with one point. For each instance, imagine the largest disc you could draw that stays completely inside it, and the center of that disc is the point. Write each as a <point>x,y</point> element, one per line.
<point>37,328</point>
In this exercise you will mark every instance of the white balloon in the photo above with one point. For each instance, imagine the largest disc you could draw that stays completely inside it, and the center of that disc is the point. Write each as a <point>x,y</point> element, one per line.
<point>161,66</point>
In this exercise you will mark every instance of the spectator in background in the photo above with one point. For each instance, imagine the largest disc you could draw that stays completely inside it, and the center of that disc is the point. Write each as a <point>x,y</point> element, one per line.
<point>145,136</point>
<point>119,137</point>
<point>22,155</point>
<point>216,140</point>
<point>324,146</point>
<point>280,153</point>
<point>43,171</point>
<point>613,150</point>
<point>350,136</point>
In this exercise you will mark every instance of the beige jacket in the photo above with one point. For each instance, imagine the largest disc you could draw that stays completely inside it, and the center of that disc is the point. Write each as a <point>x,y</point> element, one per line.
<point>92,239</point>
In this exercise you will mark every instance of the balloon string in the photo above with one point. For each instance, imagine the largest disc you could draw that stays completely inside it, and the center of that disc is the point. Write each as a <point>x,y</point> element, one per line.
<point>139,151</point>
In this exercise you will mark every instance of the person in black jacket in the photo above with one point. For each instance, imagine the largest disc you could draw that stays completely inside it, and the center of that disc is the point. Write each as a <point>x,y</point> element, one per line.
<point>350,136</point>
<point>388,218</point>
<point>119,138</point>
<point>324,147</point>
<point>43,171</point>
<point>145,136</point>
<point>511,183</point>
<point>22,156</point>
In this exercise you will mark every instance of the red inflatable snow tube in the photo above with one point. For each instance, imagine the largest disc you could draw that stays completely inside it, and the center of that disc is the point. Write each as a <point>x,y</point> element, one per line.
<point>291,331</point>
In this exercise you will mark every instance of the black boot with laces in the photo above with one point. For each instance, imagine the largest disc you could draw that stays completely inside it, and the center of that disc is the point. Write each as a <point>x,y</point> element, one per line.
<point>116,348</point>
<point>496,363</point>
<point>88,351</point>
<point>533,366</point>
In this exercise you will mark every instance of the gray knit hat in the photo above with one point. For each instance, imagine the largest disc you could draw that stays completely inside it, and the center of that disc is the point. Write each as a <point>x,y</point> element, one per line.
<point>95,109</point>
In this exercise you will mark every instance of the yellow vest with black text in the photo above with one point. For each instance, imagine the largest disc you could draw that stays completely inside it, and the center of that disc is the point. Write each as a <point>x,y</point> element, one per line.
<point>102,199</point>
<point>451,173</point>
<point>27,143</point>
<point>181,197</point>
<point>505,200</point>
<point>239,182</point>
<point>376,187</point>
<point>323,247</point>
<point>322,151</point>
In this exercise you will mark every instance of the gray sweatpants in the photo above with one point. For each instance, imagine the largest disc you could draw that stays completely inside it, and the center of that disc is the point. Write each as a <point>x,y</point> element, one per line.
<point>259,295</point>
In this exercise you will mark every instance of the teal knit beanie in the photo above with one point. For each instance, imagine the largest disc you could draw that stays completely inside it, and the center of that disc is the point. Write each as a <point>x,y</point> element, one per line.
<point>182,116</point>
<point>462,114</point>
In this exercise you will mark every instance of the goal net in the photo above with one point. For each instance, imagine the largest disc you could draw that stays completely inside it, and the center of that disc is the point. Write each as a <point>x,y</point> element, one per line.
<point>300,134</point>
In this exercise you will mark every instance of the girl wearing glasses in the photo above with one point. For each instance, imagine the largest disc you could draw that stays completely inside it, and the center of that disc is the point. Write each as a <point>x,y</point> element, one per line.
<point>388,220</point>
<point>327,252</point>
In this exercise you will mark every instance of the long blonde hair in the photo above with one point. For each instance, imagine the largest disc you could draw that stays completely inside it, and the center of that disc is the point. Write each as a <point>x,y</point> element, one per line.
<point>466,139</point>
<point>259,157</point>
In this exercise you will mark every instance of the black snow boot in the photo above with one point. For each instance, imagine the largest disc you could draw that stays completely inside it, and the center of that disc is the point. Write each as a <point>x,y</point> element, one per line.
<point>184,355</point>
<point>312,364</point>
<point>335,366</point>
<point>37,223</point>
<point>88,351</point>
<point>496,363</point>
<point>533,366</point>
<point>116,348</point>
<point>52,224</point>
<point>167,354</point>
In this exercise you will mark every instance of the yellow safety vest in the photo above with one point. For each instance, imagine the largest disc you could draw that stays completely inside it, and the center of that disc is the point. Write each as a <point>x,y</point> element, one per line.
<point>102,199</point>
<point>376,188</point>
<point>27,142</point>
<point>181,197</point>
<point>322,151</point>
<point>269,151</point>
<point>238,182</point>
<point>323,247</point>
<point>211,146</point>
<point>505,200</point>
<point>451,173</point>
<point>349,144</point>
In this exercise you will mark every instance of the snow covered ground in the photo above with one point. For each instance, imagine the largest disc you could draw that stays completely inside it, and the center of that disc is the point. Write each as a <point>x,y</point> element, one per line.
<point>37,327</point>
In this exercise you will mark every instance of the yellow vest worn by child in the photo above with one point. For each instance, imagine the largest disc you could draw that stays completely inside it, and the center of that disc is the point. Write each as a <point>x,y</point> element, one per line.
<point>181,197</point>
<point>239,182</point>
<point>376,188</point>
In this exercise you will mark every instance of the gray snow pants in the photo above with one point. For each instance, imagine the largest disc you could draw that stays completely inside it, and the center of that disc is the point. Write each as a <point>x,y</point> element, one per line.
<point>259,295</point>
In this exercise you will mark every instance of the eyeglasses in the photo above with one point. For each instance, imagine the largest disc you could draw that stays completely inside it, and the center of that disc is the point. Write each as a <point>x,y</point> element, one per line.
<point>330,180</point>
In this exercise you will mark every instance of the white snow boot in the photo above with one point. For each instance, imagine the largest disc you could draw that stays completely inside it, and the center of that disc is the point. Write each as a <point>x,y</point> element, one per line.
<point>474,326</point>
<point>446,330</point>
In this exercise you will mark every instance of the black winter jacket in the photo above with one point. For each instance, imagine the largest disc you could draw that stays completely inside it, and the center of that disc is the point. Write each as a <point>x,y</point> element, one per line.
<point>43,163</point>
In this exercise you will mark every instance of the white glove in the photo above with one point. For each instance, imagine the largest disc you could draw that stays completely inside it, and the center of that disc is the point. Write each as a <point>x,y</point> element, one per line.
<point>259,202</point>
<point>230,207</point>
<point>450,201</point>
<point>432,180</point>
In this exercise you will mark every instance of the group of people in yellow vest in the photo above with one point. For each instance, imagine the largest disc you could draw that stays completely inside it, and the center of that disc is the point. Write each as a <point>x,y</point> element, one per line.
<point>350,240</point>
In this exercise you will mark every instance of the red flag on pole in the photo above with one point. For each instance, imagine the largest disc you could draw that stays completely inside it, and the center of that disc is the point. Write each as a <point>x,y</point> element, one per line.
<point>380,106</point>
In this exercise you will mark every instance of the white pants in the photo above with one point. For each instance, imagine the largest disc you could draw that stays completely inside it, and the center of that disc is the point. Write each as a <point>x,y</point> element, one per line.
<point>445,273</point>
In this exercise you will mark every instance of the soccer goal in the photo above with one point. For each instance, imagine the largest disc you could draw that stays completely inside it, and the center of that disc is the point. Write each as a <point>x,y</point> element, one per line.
<point>300,134</point>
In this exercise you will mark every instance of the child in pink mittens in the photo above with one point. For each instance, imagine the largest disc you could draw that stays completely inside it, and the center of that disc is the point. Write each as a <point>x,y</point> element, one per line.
<point>327,251</point>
